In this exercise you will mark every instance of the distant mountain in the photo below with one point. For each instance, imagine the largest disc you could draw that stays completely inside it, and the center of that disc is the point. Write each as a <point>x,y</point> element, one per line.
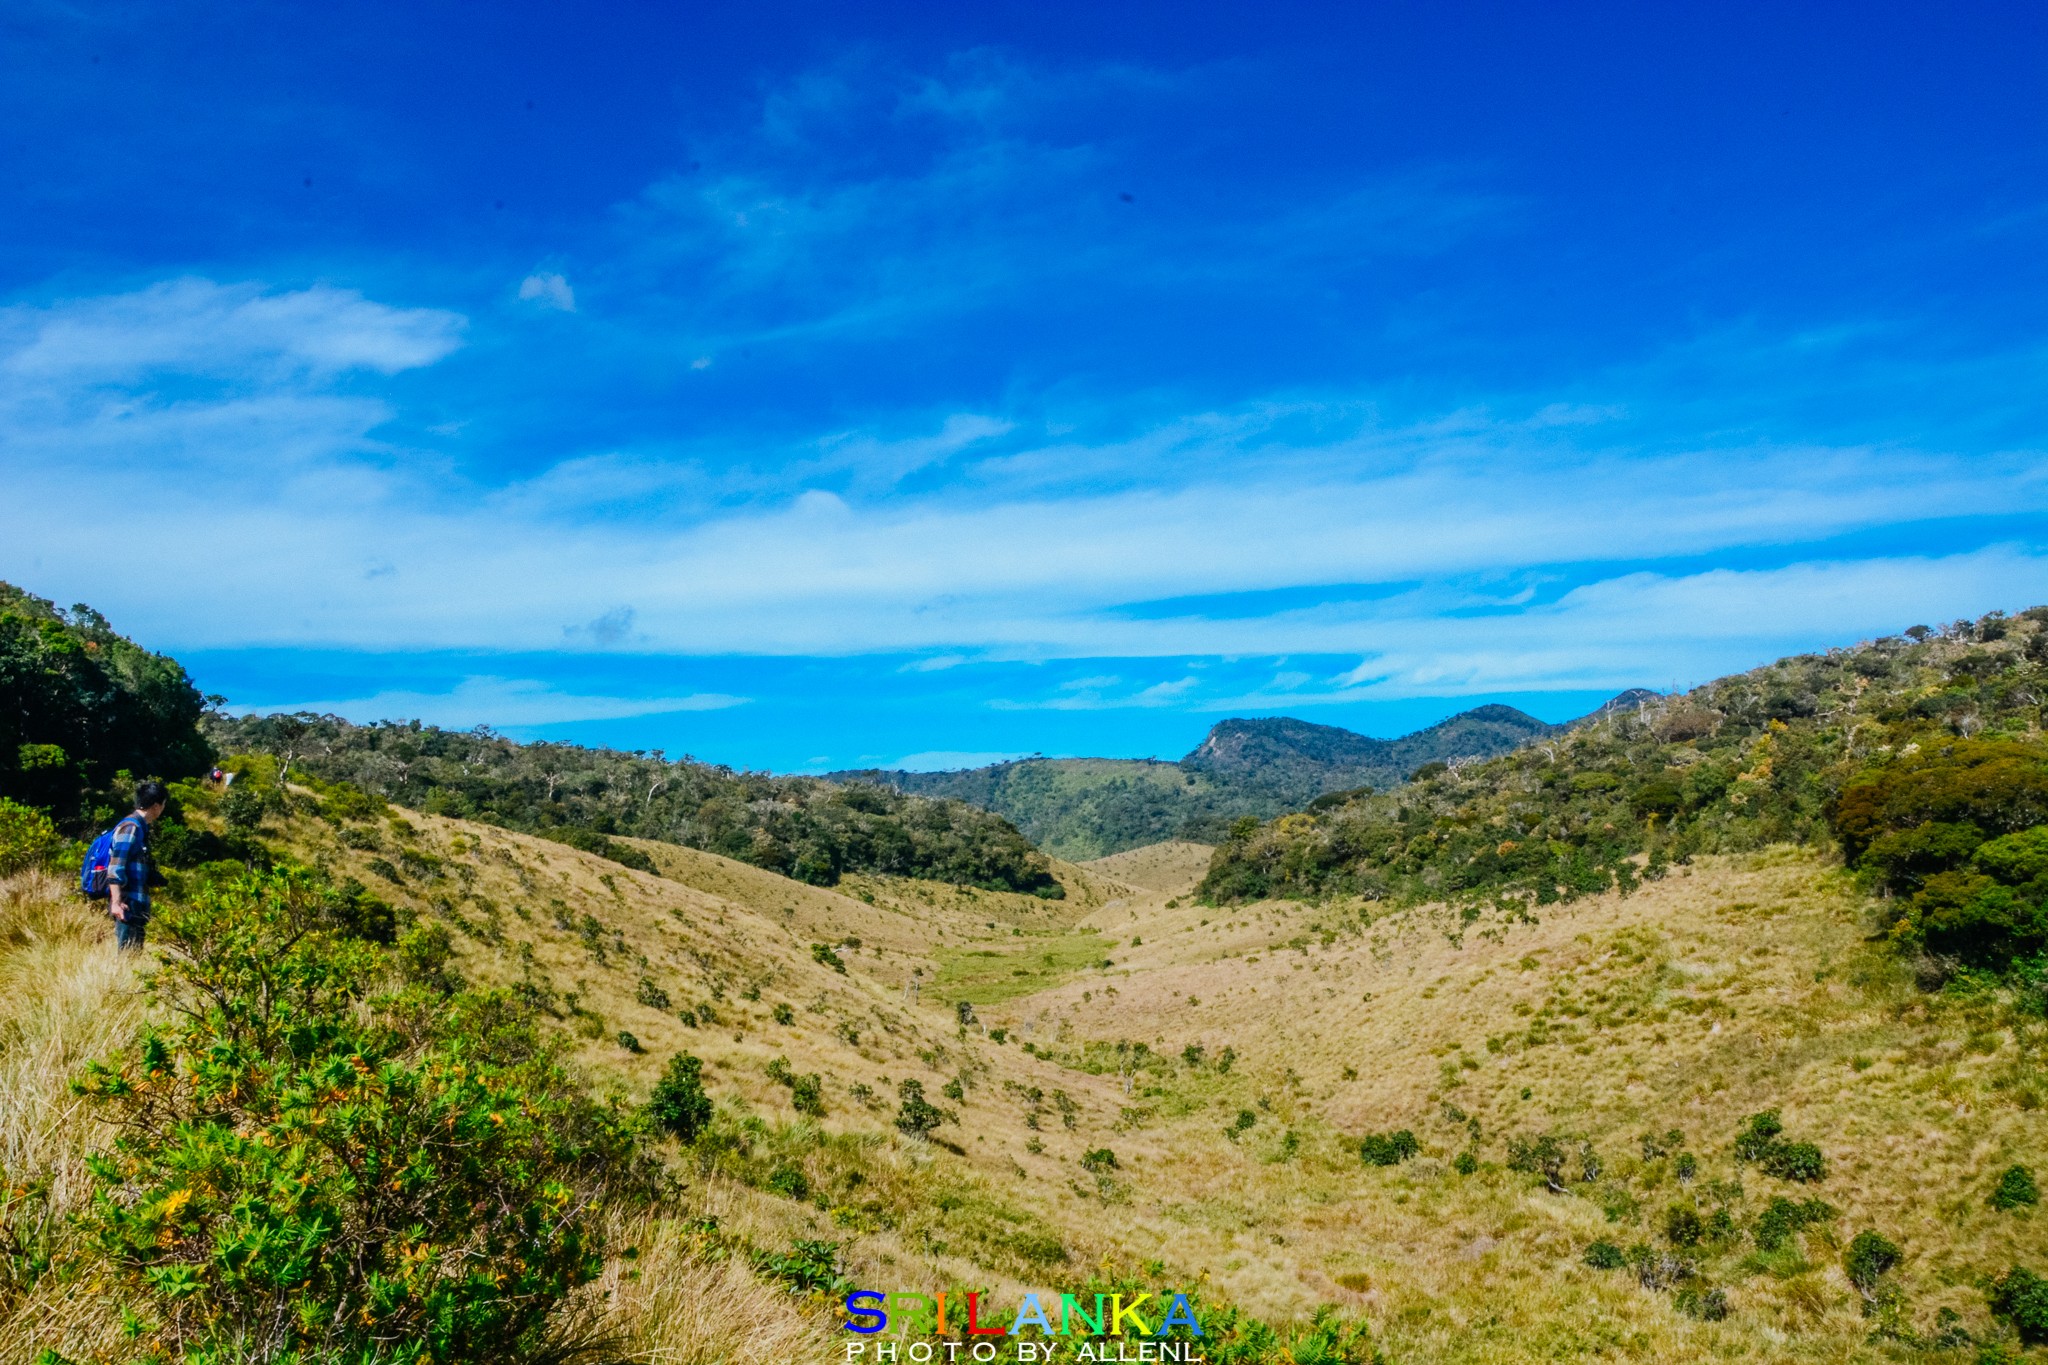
<point>1088,807</point>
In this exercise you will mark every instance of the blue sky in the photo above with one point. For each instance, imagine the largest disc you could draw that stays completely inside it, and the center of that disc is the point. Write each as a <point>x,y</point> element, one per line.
<point>802,386</point>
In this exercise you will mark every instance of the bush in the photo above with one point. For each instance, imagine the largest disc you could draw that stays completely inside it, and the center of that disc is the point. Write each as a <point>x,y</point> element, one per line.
<point>233,1208</point>
<point>27,838</point>
<point>822,953</point>
<point>1605,1256</point>
<point>1759,1141</point>
<point>1682,1226</point>
<point>918,1117</point>
<point>2021,1298</point>
<point>679,1105</point>
<point>629,1042</point>
<point>1465,1163</point>
<point>807,1094</point>
<point>1800,1161</point>
<point>1869,1258</point>
<point>650,995</point>
<point>789,1182</point>
<point>424,955</point>
<point>1708,1305</point>
<point>784,1015</point>
<point>1100,1161</point>
<point>1388,1149</point>
<point>2016,1189</point>
<point>1781,1218</point>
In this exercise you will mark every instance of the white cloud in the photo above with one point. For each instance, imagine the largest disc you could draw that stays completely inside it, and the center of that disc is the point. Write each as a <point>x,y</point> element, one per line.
<point>549,291</point>
<point>198,326</point>
<point>500,703</point>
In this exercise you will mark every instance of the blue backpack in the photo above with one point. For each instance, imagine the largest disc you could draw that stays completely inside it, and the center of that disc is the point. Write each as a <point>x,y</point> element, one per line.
<point>92,873</point>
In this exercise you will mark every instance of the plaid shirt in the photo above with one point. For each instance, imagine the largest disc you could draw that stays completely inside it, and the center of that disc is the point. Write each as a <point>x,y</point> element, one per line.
<point>128,865</point>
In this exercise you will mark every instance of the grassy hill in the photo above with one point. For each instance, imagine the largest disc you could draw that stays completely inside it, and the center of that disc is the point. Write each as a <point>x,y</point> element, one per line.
<point>1089,807</point>
<point>1692,1085</point>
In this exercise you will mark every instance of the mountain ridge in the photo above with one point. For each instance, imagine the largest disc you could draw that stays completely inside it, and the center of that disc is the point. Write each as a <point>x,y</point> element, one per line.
<point>1259,766</point>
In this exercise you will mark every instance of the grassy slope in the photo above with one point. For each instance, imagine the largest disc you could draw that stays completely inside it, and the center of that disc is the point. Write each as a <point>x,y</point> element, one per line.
<point>1736,986</point>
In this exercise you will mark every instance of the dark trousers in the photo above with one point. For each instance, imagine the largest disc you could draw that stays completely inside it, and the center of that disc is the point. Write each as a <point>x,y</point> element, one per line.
<point>129,933</point>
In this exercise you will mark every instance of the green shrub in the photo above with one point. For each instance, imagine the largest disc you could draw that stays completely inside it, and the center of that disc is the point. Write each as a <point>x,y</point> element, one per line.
<point>27,838</point>
<point>2021,1298</point>
<point>789,1182</point>
<point>1605,1256</point>
<point>918,1116</point>
<point>1781,1218</point>
<point>629,1042</point>
<point>1100,1161</point>
<point>234,1209</point>
<point>1800,1161</point>
<point>650,995</point>
<point>679,1105</point>
<point>823,954</point>
<point>1388,1149</point>
<point>1682,1226</point>
<point>808,1267</point>
<point>1706,1304</point>
<point>1760,1141</point>
<point>784,1015</point>
<point>2016,1189</point>
<point>1869,1258</point>
<point>1465,1163</point>
<point>424,955</point>
<point>807,1094</point>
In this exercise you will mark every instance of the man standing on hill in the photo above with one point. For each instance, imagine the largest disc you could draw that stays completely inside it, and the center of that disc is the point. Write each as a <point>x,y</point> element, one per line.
<point>129,869</point>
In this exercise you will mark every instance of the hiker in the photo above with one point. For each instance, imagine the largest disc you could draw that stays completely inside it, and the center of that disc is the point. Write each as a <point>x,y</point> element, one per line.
<point>130,871</point>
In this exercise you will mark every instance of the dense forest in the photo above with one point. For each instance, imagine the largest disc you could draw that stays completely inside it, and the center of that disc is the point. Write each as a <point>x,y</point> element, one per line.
<point>1920,755</point>
<point>84,711</point>
<point>804,828</point>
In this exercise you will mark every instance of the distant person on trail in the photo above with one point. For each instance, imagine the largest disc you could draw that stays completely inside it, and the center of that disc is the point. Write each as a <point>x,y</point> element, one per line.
<point>130,871</point>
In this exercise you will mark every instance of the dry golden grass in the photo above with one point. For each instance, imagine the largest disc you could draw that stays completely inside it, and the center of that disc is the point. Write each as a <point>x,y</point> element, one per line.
<point>1736,986</point>
<point>1172,868</point>
<point>65,998</point>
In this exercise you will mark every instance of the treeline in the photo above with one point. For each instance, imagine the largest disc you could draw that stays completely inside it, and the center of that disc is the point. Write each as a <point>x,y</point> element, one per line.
<point>84,711</point>
<point>1920,755</point>
<point>806,828</point>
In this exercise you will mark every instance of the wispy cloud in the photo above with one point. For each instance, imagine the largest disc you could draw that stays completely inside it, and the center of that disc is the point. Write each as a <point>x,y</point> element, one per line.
<point>509,703</point>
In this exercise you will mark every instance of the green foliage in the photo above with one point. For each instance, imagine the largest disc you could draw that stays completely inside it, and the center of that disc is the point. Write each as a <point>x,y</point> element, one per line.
<point>1707,1303</point>
<point>1683,1226</point>
<point>808,1267</point>
<point>1099,1161</point>
<point>80,706</point>
<point>424,955</point>
<point>2016,1189</point>
<point>1605,1256</point>
<point>1782,1218</point>
<point>1556,1159</point>
<point>651,995</point>
<point>679,1106</point>
<point>784,1014</point>
<point>824,956</point>
<point>1465,1162</point>
<point>918,1116</point>
<point>1957,835</point>
<point>789,1182</point>
<point>2021,1297</point>
<point>801,827</point>
<point>1388,1149</point>
<point>1869,1259</point>
<point>1761,1141</point>
<point>27,838</point>
<point>1864,744</point>
<point>309,1170</point>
